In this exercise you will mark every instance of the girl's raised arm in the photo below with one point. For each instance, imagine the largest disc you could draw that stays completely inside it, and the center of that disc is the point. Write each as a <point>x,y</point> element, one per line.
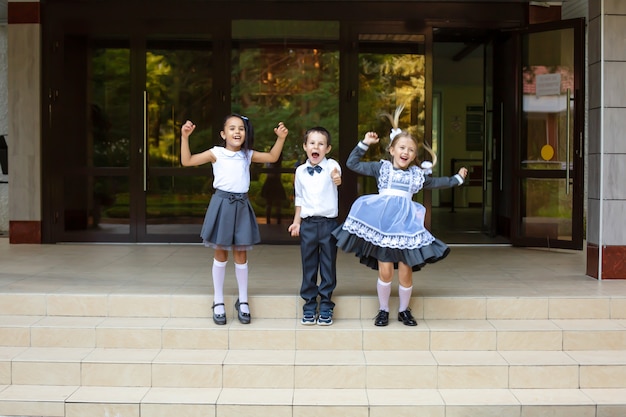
<point>186,158</point>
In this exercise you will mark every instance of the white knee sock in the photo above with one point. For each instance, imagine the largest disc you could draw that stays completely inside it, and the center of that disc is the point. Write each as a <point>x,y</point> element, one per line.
<point>241,272</point>
<point>384,292</point>
<point>404,294</point>
<point>219,272</point>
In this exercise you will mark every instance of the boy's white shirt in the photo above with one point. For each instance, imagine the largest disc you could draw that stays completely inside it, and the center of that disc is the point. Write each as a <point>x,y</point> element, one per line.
<point>317,194</point>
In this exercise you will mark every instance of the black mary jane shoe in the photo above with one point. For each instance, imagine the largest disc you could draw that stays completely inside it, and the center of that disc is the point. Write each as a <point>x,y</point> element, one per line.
<point>244,318</point>
<point>407,318</point>
<point>382,318</point>
<point>218,318</point>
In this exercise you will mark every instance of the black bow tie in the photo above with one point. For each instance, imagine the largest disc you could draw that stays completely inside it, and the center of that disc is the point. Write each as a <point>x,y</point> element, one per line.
<point>314,169</point>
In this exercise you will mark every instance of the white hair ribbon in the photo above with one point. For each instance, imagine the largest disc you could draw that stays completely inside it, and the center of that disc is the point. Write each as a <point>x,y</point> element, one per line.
<point>427,167</point>
<point>395,132</point>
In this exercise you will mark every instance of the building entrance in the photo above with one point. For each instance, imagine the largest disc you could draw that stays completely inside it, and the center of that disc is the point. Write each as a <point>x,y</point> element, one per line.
<point>119,89</point>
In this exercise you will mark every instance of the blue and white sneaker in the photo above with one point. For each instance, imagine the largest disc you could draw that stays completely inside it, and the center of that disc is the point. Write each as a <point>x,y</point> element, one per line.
<point>308,319</point>
<point>325,318</point>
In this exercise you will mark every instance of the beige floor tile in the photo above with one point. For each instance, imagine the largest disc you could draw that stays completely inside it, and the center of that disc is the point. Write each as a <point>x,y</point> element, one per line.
<point>531,397</point>
<point>14,336</point>
<point>76,332</point>
<point>329,357</point>
<point>190,305</point>
<point>403,357</point>
<point>401,376</point>
<point>340,377</point>
<point>112,395</point>
<point>618,308</point>
<point>260,357</point>
<point>521,358</point>
<point>130,333</point>
<point>346,308</point>
<point>517,308</point>
<point>34,400</point>
<point>8,353</point>
<point>233,410</point>
<point>462,335</point>
<point>273,307</point>
<point>581,308</point>
<point>263,334</point>
<point>19,321</point>
<point>18,304</point>
<point>603,376</point>
<point>200,396</point>
<point>471,370</point>
<point>96,409</point>
<point>453,358</point>
<point>483,411</point>
<point>544,376</point>
<point>478,397</point>
<point>598,357</point>
<point>102,355</point>
<point>190,356</point>
<point>330,397</point>
<point>344,334</point>
<point>140,305</point>
<point>194,333</point>
<point>187,375</point>
<point>452,308</point>
<point>259,369</point>
<point>258,397</point>
<point>396,337</point>
<point>69,305</point>
<point>172,409</point>
<point>118,367</point>
<point>610,396</point>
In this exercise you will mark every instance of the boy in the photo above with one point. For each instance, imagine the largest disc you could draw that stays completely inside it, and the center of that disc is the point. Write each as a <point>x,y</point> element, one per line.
<point>316,210</point>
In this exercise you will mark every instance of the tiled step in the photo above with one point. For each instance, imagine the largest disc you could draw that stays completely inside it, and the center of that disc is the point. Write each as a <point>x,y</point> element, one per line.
<point>315,369</point>
<point>286,334</point>
<point>71,401</point>
<point>289,307</point>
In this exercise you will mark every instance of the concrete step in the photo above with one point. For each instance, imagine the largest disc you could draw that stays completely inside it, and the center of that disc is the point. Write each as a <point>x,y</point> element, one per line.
<point>93,304</point>
<point>72,401</point>
<point>286,334</point>
<point>315,369</point>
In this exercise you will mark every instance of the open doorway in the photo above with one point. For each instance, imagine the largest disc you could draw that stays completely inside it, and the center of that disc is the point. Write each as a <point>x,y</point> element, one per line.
<point>462,116</point>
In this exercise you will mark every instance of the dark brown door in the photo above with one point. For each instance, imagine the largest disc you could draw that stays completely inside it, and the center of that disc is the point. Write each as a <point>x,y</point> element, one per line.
<point>546,137</point>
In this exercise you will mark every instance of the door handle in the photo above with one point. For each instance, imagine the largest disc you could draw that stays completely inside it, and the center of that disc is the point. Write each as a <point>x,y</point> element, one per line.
<point>567,140</point>
<point>144,151</point>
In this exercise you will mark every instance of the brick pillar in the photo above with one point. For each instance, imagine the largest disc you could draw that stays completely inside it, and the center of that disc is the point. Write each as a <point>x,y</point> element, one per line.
<point>606,237</point>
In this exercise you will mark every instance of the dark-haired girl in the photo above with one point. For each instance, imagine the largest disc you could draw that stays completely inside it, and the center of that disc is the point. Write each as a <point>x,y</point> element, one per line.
<point>230,222</point>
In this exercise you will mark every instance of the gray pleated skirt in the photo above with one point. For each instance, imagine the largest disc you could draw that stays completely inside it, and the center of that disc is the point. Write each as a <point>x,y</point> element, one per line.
<point>230,222</point>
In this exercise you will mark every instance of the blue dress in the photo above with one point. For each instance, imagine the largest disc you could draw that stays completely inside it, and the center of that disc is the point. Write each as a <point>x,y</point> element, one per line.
<point>389,226</point>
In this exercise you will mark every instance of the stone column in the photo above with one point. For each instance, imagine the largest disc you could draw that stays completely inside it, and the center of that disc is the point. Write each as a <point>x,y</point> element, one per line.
<point>24,92</point>
<point>606,240</point>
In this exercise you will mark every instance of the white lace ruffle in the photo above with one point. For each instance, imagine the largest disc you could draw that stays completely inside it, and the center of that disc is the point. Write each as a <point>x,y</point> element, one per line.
<point>378,238</point>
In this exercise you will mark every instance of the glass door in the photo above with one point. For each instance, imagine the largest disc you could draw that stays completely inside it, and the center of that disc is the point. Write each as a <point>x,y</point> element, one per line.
<point>115,132</point>
<point>172,199</point>
<point>548,172</point>
<point>392,74</point>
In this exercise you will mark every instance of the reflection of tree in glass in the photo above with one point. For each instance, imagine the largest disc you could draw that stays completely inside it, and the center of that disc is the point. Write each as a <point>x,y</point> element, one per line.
<point>387,81</point>
<point>179,85</point>
<point>299,86</point>
<point>110,98</point>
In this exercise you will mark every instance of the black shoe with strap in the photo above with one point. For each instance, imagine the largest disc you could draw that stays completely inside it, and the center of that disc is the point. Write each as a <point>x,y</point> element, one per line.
<point>244,318</point>
<point>407,318</point>
<point>218,318</point>
<point>382,318</point>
